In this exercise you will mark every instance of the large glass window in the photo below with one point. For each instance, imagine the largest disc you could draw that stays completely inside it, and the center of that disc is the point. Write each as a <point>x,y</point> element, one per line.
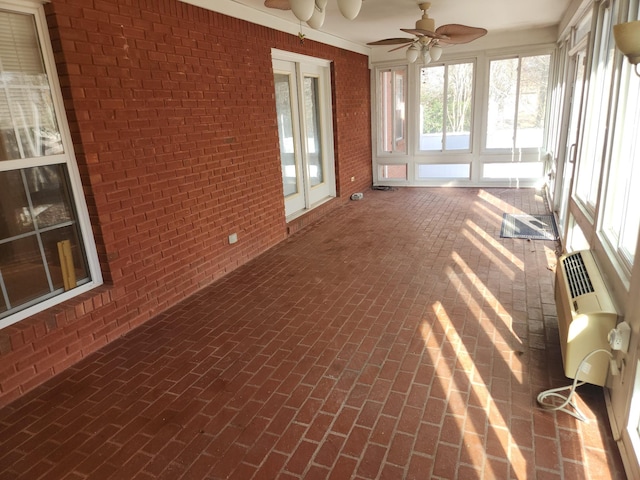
<point>621,219</point>
<point>42,249</point>
<point>592,143</point>
<point>392,115</point>
<point>517,102</point>
<point>446,104</point>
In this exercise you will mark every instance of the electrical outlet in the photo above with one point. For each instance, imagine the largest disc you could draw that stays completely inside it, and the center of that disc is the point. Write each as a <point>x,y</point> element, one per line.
<point>619,337</point>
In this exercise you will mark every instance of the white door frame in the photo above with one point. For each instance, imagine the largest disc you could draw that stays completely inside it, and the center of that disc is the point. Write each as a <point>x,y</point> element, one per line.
<point>301,67</point>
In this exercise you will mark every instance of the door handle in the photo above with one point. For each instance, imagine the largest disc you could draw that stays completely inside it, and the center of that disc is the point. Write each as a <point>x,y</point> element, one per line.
<point>572,153</point>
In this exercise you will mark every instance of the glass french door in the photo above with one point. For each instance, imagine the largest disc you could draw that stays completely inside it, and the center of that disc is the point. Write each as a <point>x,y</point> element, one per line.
<point>303,108</point>
<point>579,62</point>
<point>289,135</point>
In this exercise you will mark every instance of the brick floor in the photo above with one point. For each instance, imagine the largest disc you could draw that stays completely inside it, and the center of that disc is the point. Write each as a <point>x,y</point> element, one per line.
<point>398,337</point>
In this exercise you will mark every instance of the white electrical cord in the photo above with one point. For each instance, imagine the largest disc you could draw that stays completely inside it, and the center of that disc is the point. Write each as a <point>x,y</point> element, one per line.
<point>553,392</point>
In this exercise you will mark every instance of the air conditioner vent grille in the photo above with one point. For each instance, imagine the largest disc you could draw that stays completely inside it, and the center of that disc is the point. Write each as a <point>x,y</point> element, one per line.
<point>577,275</point>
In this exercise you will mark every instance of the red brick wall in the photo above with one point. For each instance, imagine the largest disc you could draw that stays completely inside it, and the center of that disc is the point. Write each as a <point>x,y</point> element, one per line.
<point>352,109</point>
<point>172,114</point>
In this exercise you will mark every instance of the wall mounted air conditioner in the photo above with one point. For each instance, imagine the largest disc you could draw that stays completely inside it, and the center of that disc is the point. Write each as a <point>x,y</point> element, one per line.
<point>585,316</point>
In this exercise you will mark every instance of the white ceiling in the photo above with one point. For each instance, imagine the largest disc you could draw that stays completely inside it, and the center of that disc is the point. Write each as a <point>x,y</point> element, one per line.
<point>380,19</point>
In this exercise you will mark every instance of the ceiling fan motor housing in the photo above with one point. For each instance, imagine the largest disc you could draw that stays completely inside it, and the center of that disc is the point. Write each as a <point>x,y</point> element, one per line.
<point>426,23</point>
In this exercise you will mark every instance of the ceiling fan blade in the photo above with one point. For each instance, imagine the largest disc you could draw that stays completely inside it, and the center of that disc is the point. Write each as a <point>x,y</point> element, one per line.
<point>279,4</point>
<point>456,34</point>
<point>403,46</point>
<point>392,41</point>
<point>422,33</point>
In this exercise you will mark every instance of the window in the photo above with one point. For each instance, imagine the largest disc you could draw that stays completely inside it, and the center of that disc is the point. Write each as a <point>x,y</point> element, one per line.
<point>589,161</point>
<point>513,170</point>
<point>444,171</point>
<point>392,115</point>
<point>517,102</point>
<point>44,251</point>
<point>446,103</point>
<point>633,427</point>
<point>621,219</point>
<point>392,172</point>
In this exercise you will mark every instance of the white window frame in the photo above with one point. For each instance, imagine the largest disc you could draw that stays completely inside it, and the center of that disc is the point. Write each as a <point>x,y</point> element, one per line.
<point>485,130</point>
<point>379,104</point>
<point>591,147</point>
<point>472,113</point>
<point>623,136</point>
<point>36,10</point>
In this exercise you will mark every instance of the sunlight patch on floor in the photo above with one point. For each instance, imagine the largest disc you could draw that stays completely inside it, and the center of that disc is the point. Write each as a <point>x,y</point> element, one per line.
<point>495,245</point>
<point>476,426</point>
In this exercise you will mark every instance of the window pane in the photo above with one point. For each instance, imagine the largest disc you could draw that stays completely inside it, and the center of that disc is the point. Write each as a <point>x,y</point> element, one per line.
<point>28,125</point>
<point>517,102</point>
<point>50,196</point>
<point>630,228</point>
<point>50,242</point>
<point>598,93</point>
<point>8,142</point>
<point>432,108</point>
<point>392,110</point>
<point>22,271</point>
<point>459,97</point>
<point>513,170</point>
<point>386,111</point>
<point>503,82</point>
<point>19,48</point>
<point>312,124</point>
<point>34,121</point>
<point>399,139</point>
<point>392,172</point>
<point>446,124</point>
<point>285,132</point>
<point>621,220</point>
<point>15,214</point>
<point>454,170</point>
<point>532,101</point>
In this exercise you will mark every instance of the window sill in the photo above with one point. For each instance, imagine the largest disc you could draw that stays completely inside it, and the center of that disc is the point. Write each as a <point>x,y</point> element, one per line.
<point>31,327</point>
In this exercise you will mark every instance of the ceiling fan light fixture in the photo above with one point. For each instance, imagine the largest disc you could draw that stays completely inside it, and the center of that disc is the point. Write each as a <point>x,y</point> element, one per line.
<point>412,53</point>
<point>436,52</point>
<point>426,56</point>
<point>317,19</point>
<point>350,8</point>
<point>302,9</point>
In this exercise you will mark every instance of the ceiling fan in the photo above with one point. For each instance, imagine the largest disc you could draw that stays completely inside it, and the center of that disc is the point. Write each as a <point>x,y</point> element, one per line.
<point>428,39</point>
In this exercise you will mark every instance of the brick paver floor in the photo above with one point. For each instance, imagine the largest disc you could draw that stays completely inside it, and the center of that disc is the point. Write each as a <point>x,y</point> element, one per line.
<point>399,337</point>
